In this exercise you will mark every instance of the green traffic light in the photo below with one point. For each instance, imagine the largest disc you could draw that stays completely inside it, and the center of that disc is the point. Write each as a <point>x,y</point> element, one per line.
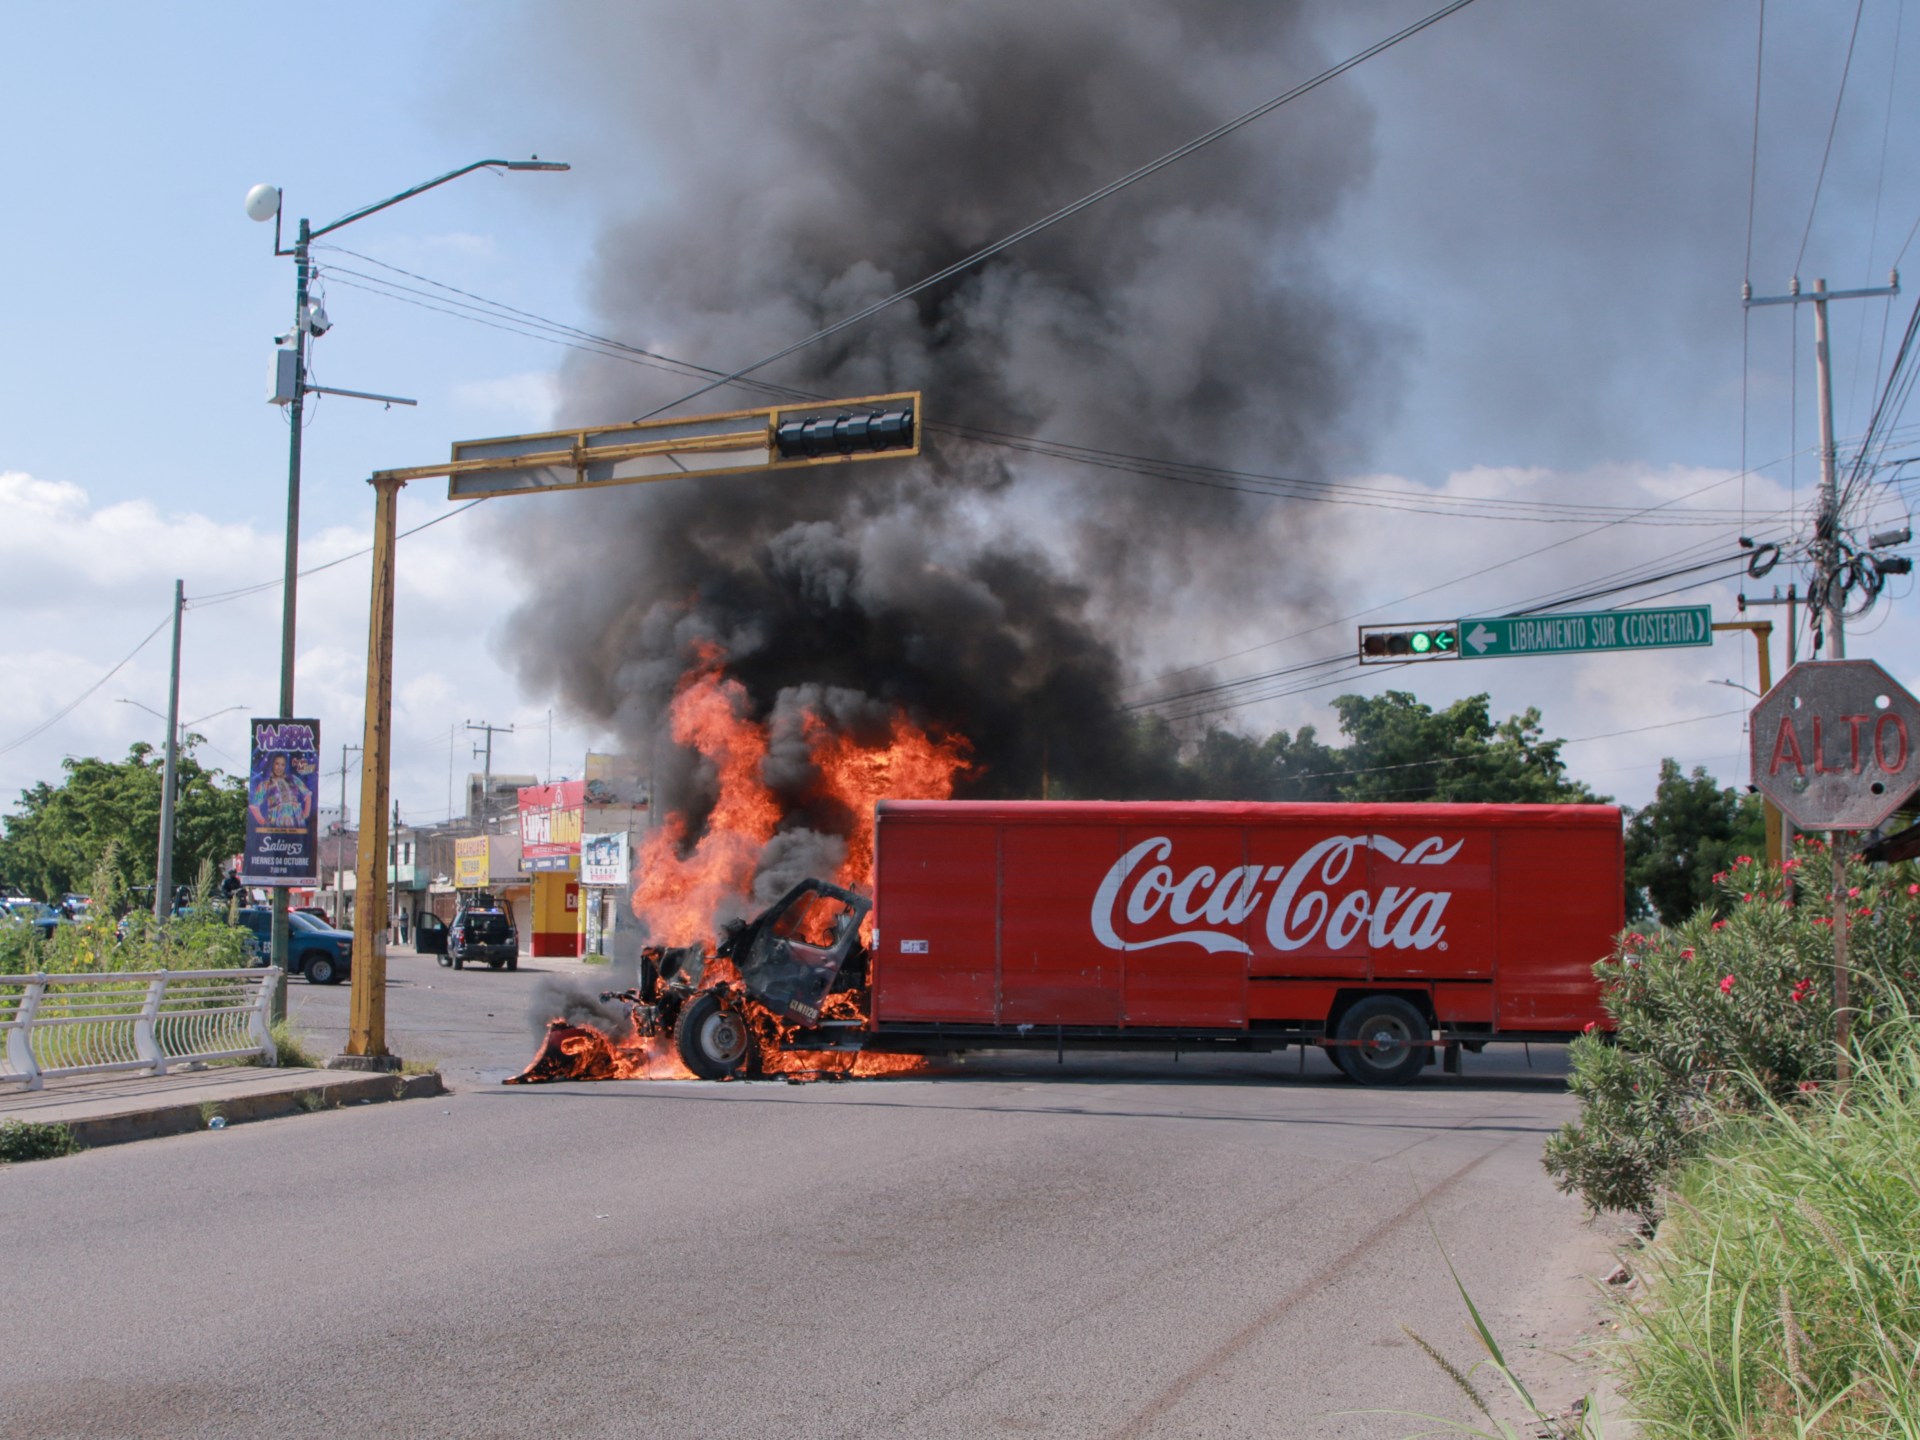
<point>1422,642</point>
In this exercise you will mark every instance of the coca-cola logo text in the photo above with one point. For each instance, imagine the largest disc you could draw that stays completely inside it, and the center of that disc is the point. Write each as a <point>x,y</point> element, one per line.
<point>1145,888</point>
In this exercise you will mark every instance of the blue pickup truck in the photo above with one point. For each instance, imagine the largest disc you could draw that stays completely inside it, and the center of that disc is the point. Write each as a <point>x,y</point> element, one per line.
<point>319,952</point>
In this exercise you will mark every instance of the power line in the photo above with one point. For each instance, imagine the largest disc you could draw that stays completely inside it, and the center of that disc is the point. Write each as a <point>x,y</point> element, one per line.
<point>224,596</point>
<point>75,703</point>
<point>1158,467</point>
<point>1832,126</point>
<point>1243,691</point>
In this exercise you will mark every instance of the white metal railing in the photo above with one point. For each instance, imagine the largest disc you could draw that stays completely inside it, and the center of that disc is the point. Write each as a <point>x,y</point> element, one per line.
<point>136,1020</point>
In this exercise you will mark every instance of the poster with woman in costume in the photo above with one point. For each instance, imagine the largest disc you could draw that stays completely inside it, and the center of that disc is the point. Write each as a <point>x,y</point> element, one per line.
<point>283,842</point>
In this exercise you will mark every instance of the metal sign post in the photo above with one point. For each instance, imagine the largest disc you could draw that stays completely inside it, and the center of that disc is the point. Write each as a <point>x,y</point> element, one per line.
<point>1834,746</point>
<point>781,437</point>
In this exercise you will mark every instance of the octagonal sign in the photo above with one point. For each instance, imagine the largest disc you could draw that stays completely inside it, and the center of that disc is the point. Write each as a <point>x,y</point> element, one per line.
<point>1836,744</point>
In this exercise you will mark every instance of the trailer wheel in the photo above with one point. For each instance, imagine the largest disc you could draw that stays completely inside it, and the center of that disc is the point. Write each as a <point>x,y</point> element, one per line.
<point>713,1038</point>
<point>1394,1041</point>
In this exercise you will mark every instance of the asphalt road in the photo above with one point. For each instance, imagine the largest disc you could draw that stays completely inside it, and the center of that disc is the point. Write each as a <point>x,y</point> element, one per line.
<point>476,1024</point>
<point>1110,1248</point>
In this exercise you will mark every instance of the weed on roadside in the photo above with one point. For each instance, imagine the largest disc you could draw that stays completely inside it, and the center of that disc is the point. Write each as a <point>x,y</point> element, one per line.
<point>1540,1424</point>
<point>292,1050</point>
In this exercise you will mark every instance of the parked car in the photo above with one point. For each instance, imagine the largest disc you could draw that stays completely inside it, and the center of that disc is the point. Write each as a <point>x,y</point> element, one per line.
<point>319,952</point>
<point>482,935</point>
<point>314,912</point>
<point>43,918</point>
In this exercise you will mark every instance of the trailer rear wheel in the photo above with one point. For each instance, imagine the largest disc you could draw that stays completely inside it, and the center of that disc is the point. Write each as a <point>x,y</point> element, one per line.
<point>713,1038</point>
<point>1393,1041</point>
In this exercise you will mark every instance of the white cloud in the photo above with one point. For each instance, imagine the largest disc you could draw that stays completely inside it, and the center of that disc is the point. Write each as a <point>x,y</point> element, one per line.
<point>82,584</point>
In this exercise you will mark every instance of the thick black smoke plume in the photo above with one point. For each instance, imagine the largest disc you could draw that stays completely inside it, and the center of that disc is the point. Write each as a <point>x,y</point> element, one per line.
<point>808,159</point>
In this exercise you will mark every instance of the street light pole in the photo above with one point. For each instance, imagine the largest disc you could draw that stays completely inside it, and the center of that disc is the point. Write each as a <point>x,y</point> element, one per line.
<point>170,772</point>
<point>264,203</point>
<point>278,943</point>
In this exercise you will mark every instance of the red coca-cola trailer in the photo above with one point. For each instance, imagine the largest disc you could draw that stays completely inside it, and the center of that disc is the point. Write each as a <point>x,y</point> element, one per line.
<point>1388,933</point>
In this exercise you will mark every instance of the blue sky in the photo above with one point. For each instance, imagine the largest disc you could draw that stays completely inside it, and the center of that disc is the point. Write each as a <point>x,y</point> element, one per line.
<point>1553,229</point>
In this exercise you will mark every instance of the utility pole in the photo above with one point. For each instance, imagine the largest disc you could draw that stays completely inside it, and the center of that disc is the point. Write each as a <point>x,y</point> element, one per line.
<point>486,778</point>
<point>1792,601</point>
<point>340,844</point>
<point>291,387</point>
<point>1825,595</point>
<point>1762,632</point>
<point>170,772</point>
<point>393,869</point>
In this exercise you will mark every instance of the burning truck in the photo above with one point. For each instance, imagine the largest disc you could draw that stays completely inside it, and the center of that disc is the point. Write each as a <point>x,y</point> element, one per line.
<point>1390,935</point>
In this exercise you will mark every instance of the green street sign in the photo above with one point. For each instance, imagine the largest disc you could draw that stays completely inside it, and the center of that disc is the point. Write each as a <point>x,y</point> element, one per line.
<point>1503,637</point>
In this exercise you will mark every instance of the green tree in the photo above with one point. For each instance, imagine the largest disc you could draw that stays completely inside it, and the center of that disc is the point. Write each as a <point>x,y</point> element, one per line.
<point>1230,766</point>
<point>1403,750</point>
<point>103,808</point>
<point>1693,831</point>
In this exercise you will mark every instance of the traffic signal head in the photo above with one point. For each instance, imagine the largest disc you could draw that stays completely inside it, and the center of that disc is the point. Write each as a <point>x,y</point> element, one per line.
<point>861,432</point>
<point>1399,644</point>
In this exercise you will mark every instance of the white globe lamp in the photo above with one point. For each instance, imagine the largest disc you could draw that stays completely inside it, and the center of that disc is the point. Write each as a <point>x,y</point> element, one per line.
<point>263,202</point>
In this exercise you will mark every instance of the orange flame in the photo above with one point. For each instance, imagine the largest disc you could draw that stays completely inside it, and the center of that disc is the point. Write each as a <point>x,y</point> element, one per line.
<point>579,1052</point>
<point>678,895</point>
<point>913,766</point>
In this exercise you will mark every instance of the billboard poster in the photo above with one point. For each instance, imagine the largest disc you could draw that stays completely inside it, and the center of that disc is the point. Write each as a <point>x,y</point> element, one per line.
<point>282,837</point>
<point>471,866</point>
<point>550,825</point>
<point>603,859</point>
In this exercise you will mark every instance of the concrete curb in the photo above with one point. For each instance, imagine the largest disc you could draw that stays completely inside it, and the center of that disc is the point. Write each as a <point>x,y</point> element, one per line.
<point>323,1091</point>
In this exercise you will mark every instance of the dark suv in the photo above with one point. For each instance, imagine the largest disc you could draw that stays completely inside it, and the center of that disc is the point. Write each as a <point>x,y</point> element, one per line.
<point>319,952</point>
<point>482,934</point>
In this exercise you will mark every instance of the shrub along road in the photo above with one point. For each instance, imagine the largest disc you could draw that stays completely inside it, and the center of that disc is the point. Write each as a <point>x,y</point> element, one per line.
<point>1109,1248</point>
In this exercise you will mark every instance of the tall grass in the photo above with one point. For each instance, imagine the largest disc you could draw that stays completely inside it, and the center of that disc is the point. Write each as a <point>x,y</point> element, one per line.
<point>1783,1294</point>
<point>203,937</point>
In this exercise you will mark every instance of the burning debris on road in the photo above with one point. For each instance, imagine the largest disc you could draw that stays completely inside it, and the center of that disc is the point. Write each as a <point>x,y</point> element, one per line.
<point>779,995</point>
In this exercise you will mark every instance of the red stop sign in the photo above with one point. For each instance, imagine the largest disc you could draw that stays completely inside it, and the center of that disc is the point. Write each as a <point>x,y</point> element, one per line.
<point>1836,744</point>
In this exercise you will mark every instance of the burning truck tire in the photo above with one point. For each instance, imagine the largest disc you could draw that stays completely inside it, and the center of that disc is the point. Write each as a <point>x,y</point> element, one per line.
<point>714,1039</point>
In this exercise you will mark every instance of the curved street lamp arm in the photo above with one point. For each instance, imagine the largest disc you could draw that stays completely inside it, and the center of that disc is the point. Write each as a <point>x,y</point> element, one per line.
<point>367,210</point>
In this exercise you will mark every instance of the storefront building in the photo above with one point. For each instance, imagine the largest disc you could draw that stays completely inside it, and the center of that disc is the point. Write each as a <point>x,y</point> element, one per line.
<point>618,811</point>
<point>551,819</point>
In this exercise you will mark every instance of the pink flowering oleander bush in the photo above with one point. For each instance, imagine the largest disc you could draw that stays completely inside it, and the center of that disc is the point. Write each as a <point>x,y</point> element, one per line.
<point>1722,1016</point>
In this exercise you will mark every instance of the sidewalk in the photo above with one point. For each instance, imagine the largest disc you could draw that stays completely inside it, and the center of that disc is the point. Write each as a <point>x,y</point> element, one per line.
<point>114,1109</point>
